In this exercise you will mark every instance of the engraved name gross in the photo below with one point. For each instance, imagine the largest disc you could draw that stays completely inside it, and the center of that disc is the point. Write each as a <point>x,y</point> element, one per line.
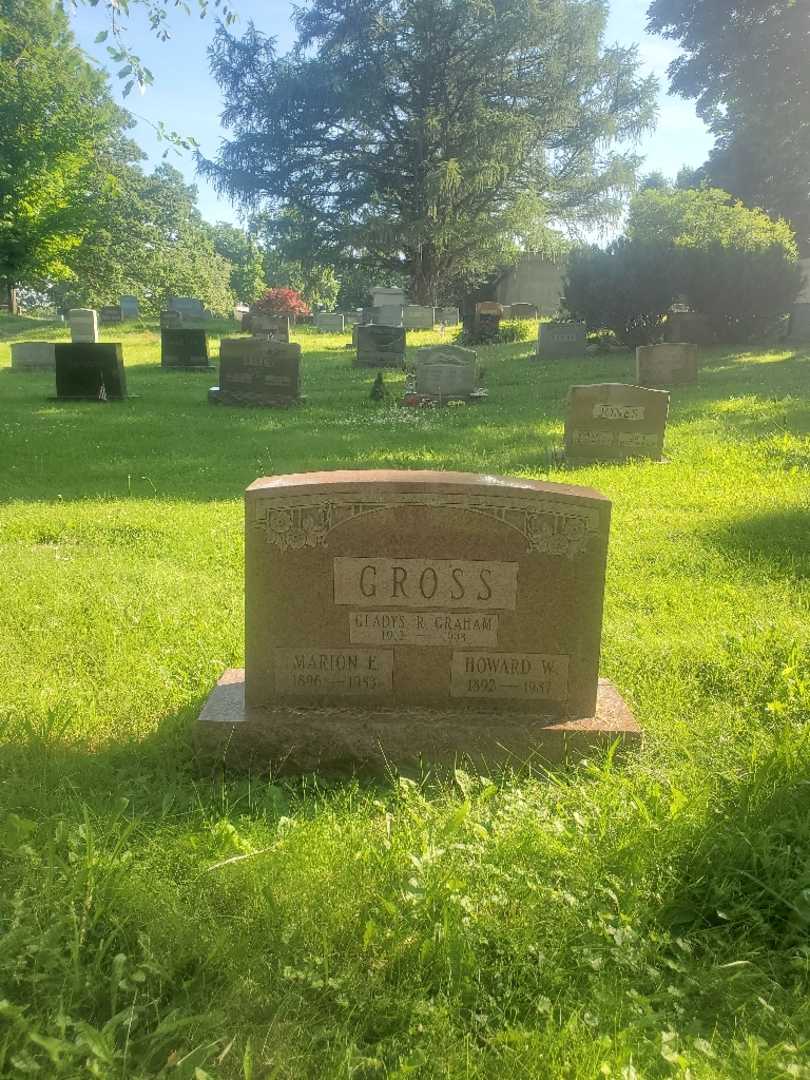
<point>334,671</point>
<point>442,583</point>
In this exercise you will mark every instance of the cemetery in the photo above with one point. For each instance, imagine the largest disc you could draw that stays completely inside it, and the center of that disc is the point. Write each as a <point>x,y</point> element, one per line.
<point>405,524</point>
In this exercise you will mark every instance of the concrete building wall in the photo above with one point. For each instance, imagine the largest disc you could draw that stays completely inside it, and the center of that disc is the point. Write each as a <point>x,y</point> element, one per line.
<point>533,280</point>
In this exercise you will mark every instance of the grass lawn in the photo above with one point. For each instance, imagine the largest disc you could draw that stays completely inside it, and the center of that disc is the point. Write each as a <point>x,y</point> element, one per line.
<point>648,917</point>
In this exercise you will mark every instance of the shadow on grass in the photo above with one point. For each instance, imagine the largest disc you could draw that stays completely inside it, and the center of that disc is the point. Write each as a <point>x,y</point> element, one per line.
<point>780,539</point>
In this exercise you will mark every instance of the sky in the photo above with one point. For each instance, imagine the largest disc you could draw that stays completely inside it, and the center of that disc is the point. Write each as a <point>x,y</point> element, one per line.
<point>186,98</point>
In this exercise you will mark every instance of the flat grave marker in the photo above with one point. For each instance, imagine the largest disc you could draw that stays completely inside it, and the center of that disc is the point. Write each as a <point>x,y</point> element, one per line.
<point>393,617</point>
<point>613,422</point>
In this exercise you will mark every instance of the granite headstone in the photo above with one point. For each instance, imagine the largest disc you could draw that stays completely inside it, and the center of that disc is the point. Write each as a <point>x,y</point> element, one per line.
<point>612,422</point>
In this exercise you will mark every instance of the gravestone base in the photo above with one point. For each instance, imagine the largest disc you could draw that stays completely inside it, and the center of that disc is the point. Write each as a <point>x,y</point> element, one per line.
<point>344,740</point>
<point>217,396</point>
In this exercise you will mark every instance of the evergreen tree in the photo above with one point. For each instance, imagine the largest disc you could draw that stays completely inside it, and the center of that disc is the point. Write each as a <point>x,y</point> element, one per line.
<point>432,138</point>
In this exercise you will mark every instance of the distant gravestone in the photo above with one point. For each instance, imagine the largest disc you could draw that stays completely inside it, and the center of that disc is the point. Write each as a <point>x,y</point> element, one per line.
<point>667,365</point>
<point>557,340</point>
<point>33,356</point>
<point>394,618</point>
<point>83,325</point>
<point>274,327</point>
<point>691,326</point>
<point>256,371</point>
<point>109,315</point>
<point>90,372</point>
<point>329,322</point>
<point>187,306</point>
<point>239,312</point>
<point>447,316</point>
<point>612,422</point>
<point>380,346</point>
<point>381,296</point>
<point>351,318</point>
<point>799,329</point>
<point>446,372</point>
<point>417,317</point>
<point>183,348</point>
<point>523,311</point>
<point>129,307</point>
<point>388,314</point>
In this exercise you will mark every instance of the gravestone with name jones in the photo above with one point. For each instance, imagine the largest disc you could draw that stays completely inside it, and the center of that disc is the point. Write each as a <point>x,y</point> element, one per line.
<point>612,422</point>
<point>401,616</point>
<point>417,317</point>
<point>671,364</point>
<point>90,372</point>
<point>257,371</point>
<point>109,315</point>
<point>556,340</point>
<point>329,322</point>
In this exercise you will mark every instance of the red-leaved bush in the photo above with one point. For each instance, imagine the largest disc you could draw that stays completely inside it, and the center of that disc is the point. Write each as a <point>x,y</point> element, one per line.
<point>282,302</point>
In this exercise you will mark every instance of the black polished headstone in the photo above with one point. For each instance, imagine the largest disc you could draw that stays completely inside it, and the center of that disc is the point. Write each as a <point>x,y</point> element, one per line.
<point>90,372</point>
<point>183,348</point>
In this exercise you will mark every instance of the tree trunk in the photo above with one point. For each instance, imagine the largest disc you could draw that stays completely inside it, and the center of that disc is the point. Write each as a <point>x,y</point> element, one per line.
<point>11,299</point>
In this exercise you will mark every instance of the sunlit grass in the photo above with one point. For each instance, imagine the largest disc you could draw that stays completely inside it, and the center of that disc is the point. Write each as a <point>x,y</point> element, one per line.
<point>642,918</point>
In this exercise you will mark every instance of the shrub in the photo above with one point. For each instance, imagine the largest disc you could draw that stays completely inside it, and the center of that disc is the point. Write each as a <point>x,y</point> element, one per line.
<point>282,301</point>
<point>509,331</point>
<point>627,288</point>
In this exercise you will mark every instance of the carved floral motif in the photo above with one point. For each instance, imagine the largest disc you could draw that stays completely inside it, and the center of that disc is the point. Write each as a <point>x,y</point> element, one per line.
<point>553,528</point>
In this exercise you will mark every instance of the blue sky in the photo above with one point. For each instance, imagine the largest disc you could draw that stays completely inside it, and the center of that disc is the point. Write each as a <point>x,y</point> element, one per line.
<point>186,98</point>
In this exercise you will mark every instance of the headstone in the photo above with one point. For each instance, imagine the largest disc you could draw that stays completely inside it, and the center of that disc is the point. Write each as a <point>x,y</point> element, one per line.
<point>666,365</point>
<point>388,314</point>
<point>83,325</point>
<point>380,346</point>
<point>33,356</point>
<point>447,316</point>
<point>187,305</point>
<point>446,372</point>
<point>351,318</point>
<point>183,348</point>
<point>274,327</point>
<point>417,317</point>
<point>93,372</point>
<point>612,422</point>
<point>691,326</point>
<point>129,307</point>
<point>400,617</point>
<point>487,322</point>
<point>109,315</point>
<point>556,340</point>
<point>258,371</point>
<point>523,311</point>
<point>799,329</point>
<point>384,297</point>
<point>239,312</point>
<point>329,322</point>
